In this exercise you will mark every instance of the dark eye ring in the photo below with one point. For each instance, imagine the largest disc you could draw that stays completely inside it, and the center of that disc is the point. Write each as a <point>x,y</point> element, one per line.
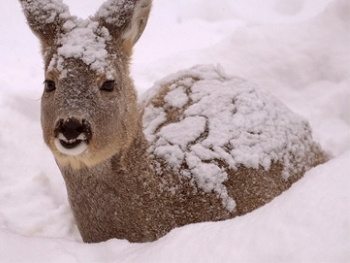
<point>49,85</point>
<point>108,86</point>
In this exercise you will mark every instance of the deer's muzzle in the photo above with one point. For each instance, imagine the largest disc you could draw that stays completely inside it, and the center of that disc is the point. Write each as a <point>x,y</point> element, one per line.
<point>72,136</point>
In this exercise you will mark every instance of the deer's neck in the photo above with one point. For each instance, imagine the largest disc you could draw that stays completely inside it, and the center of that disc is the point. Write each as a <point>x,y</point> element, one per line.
<point>123,198</point>
<point>118,198</point>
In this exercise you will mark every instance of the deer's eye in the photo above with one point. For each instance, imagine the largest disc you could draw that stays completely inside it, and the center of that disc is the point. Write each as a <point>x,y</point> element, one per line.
<point>49,85</point>
<point>108,86</point>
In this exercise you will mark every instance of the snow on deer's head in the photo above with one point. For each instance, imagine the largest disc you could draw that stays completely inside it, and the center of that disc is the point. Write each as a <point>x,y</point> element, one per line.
<point>88,108</point>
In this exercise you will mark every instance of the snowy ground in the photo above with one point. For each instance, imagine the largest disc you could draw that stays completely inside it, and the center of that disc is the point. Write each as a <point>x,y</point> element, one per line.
<point>297,49</point>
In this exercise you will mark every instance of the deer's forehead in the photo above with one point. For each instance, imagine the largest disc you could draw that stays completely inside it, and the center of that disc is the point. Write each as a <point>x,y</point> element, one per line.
<point>82,40</point>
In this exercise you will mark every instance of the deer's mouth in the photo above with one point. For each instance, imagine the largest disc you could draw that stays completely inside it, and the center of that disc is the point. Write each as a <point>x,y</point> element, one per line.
<point>72,146</point>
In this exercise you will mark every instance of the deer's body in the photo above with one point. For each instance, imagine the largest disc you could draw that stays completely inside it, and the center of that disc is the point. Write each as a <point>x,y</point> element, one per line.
<point>201,147</point>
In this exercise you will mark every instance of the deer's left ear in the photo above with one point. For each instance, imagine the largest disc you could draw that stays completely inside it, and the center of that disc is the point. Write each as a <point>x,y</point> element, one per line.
<point>46,19</point>
<point>125,19</point>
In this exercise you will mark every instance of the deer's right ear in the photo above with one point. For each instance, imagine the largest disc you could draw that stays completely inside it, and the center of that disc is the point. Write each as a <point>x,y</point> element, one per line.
<point>125,19</point>
<point>45,18</point>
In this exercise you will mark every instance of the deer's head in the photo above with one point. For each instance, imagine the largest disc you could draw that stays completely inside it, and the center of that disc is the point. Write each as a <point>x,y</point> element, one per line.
<point>88,108</point>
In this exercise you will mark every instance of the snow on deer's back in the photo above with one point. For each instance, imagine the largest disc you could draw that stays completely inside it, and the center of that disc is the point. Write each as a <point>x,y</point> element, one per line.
<point>226,136</point>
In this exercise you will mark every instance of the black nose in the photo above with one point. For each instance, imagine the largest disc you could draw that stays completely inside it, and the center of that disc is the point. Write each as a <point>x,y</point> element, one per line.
<point>71,128</point>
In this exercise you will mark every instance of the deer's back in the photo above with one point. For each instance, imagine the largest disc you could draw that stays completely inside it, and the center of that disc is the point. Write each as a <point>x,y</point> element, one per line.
<point>223,139</point>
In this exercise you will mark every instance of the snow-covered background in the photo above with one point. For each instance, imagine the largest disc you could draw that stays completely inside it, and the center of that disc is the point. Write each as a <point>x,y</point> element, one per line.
<point>297,49</point>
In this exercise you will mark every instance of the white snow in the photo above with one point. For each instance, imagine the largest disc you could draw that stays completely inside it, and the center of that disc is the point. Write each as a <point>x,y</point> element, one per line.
<point>299,51</point>
<point>85,40</point>
<point>228,119</point>
<point>118,9</point>
<point>80,41</point>
<point>79,38</point>
<point>46,11</point>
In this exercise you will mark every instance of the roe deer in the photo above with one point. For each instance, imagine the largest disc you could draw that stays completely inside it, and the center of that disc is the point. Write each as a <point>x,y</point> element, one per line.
<point>200,145</point>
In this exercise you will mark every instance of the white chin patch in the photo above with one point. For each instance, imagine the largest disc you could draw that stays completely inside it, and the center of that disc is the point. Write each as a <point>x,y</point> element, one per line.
<point>79,149</point>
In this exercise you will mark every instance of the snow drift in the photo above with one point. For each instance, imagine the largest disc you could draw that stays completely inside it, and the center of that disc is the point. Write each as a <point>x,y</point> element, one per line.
<point>304,62</point>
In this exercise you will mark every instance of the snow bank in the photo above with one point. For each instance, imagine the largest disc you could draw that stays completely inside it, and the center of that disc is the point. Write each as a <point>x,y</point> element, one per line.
<point>278,56</point>
<point>288,229</point>
<point>309,222</point>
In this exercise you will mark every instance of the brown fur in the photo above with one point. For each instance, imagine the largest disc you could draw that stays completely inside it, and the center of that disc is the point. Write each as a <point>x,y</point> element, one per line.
<point>115,188</point>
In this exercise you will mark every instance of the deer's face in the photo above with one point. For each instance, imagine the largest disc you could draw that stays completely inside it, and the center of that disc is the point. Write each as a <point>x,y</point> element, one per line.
<point>88,109</point>
<point>86,115</point>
